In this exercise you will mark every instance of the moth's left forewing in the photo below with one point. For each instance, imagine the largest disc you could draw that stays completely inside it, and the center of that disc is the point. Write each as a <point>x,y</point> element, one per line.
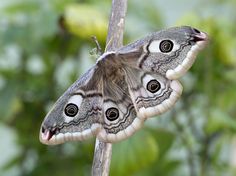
<point>77,113</point>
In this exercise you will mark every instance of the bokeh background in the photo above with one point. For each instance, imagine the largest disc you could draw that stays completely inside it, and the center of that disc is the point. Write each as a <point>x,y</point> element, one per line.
<point>46,45</point>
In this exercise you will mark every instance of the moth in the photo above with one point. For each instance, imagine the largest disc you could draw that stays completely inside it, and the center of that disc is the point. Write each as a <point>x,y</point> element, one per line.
<point>125,87</point>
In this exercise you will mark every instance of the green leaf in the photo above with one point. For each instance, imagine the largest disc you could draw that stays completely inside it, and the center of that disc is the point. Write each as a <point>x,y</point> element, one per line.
<point>22,6</point>
<point>85,21</point>
<point>9,102</point>
<point>134,154</point>
<point>226,99</point>
<point>166,167</point>
<point>164,139</point>
<point>219,120</point>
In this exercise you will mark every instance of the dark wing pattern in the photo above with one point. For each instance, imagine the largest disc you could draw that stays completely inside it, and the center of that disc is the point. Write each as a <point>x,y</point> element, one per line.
<point>169,52</point>
<point>77,115</point>
<point>124,88</point>
<point>152,93</point>
<point>120,116</point>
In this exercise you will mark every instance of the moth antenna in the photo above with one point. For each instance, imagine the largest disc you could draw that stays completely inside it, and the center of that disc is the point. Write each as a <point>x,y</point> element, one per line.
<point>108,43</point>
<point>98,46</point>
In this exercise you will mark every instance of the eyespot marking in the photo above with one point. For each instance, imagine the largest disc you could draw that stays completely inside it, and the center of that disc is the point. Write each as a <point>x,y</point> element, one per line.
<point>71,109</point>
<point>166,46</point>
<point>153,86</point>
<point>112,113</point>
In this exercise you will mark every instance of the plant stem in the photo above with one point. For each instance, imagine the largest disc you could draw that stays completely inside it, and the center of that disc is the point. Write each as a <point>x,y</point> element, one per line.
<point>103,151</point>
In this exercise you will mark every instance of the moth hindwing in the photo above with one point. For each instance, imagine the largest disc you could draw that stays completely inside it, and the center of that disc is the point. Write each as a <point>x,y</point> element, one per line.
<point>125,87</point>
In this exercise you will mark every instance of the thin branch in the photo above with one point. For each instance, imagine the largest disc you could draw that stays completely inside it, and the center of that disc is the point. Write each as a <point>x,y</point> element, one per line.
<point>116,25</point>
<point>103,151</point>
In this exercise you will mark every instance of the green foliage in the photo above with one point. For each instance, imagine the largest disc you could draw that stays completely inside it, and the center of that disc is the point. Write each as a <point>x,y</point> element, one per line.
<point>80,23</point>
<point>135,158</point>
<point>45,46</point>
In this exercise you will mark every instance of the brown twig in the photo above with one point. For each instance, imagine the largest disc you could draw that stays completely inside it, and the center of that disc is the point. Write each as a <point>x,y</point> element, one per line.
<point>103,151</point>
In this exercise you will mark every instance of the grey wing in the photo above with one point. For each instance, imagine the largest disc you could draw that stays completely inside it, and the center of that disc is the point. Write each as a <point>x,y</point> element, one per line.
<point>153,64</point>
<point>114,106</point>
<point>169,52</point>
<point>151,93</point>
<point>120,116</point>
<point>95,105</point>
<point>130,96</point>
<point>78,113</point>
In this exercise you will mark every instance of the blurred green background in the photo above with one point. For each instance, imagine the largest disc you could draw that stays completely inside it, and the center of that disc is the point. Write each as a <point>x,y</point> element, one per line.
<point>45,45</point>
